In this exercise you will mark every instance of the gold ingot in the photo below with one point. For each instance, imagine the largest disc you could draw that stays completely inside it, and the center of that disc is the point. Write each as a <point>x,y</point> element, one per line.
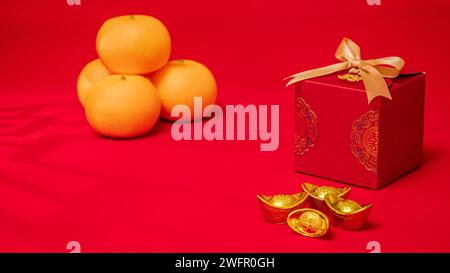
<point>347,213</point>
<point>276,208</point>
<point>308,222</point>
<point>318,193</point>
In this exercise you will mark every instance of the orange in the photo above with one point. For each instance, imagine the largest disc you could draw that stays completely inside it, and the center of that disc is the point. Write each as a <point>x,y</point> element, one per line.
<point>90,74</point>
<point>180,81</point>
<point>123,106</point>
<point>133,44</point>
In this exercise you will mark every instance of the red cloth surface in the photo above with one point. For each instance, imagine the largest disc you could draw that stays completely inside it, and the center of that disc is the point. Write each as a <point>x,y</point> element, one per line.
<point>59,181</point>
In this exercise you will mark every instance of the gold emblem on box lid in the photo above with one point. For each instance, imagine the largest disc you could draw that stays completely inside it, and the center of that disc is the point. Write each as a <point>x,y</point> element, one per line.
<point>308,222</point>
<point>351,77</point>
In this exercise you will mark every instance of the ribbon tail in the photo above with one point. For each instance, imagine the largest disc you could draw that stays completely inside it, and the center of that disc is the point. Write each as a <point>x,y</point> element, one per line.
<point>330,69</point>
<point>374,83</point>
<point>389,67</point>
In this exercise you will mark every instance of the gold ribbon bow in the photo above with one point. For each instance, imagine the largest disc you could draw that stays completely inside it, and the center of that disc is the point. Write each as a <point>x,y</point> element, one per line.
<point>372,72</point>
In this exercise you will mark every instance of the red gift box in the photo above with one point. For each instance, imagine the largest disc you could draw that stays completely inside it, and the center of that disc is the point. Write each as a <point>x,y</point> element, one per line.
<point>339,136</point>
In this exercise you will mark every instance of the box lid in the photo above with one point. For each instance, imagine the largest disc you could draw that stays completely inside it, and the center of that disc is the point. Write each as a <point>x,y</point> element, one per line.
<point>333,80</point>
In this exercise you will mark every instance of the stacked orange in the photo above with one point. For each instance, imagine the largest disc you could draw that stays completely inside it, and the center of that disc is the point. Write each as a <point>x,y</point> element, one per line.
<point>132,84</point>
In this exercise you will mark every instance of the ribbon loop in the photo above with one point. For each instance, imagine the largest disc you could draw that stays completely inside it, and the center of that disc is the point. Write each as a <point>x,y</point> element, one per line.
<point>372,72</point>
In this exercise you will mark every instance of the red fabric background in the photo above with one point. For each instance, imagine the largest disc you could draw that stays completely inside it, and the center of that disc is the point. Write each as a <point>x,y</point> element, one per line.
<point>61,182</point>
